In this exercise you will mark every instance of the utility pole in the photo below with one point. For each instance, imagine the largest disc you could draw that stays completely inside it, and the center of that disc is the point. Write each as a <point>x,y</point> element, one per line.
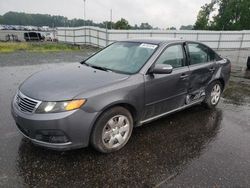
<point>111,15</point>
<point>84,4</point>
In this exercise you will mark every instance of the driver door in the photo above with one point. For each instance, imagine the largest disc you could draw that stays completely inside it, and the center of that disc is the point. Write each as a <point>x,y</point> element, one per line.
<point>165,92</point>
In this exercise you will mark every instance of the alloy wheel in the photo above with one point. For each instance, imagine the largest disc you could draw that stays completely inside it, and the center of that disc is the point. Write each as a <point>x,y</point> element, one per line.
<point>215,94</point>
<point>116,131</point>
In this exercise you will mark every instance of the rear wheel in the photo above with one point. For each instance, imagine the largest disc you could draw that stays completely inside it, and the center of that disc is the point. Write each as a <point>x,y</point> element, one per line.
<point>112,130</point>
<point>213,94</point>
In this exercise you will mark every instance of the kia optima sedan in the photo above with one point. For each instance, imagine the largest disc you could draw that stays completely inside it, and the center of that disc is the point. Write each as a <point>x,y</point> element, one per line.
<point>99,101</point>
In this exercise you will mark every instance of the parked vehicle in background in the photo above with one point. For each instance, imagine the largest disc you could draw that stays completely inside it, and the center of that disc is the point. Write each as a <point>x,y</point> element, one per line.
<point>40,29</point>
<point>12,37</point>
<point>20,27</point>
<point>45,28</point>
<point>8,27</point>
<point>248,62</point>
<point>24,28</point>
<point>33,36</point>
<point>28,28</point>
<point>129,83</point>
<point>48,36</point>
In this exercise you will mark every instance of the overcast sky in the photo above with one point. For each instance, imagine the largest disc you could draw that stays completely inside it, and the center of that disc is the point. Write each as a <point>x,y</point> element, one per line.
<point>159,13</point>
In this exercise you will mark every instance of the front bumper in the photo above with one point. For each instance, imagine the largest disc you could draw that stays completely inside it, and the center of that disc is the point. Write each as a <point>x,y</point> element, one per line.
<point>58,131</point>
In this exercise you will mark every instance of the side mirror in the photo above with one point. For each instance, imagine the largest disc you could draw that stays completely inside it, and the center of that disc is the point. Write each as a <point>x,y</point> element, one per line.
<point>161,69</point>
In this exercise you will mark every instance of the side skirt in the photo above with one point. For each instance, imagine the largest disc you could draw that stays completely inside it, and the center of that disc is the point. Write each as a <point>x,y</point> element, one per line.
<point>170,112</point>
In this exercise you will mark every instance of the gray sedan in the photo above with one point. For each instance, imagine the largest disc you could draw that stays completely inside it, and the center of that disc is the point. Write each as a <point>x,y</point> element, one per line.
<point>99,101</point>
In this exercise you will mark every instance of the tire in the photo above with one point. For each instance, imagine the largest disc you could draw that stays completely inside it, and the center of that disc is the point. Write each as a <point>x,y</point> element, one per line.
<point>213,94</point>
<point>112,130</point>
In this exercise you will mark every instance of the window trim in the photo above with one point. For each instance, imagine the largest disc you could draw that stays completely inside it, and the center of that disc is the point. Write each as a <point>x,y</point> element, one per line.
<point>164,49</point>
<point>188,52</point>
<point>121,72</point>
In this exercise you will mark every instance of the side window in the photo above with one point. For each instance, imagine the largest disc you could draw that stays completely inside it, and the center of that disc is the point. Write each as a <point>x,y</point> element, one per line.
<point>173,55</point>
<point>212,56</point>
<point>198,53</point>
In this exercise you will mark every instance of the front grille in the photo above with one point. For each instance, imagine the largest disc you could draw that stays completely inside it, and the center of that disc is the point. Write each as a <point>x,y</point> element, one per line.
<point>26,104</point>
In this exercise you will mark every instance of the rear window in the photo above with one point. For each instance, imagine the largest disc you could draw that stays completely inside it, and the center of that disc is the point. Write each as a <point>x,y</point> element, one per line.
<point>200,53</point>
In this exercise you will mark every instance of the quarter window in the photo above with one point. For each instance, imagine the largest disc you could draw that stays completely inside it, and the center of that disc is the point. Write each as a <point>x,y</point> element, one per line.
<point>198,54</point>
<point>173,55</point>
<point>212,56</point>
<point>201,54</point>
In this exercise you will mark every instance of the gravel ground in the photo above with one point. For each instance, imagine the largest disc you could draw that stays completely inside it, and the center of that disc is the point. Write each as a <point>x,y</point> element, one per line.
<point>237,57</point>
<point>34,58</point>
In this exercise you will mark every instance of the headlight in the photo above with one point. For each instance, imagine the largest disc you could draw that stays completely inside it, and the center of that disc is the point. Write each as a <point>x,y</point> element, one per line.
<point>53,107</point>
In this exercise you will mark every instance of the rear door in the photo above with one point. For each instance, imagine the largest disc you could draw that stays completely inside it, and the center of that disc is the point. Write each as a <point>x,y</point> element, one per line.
<point>165,92</point>
<point>202,67</point>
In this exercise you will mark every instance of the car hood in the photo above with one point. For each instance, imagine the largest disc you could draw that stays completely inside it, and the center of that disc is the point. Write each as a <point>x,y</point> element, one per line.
<point>67,82</point>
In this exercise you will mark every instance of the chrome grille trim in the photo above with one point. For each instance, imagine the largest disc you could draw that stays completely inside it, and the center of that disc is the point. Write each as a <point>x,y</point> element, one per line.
<point>26,104</point>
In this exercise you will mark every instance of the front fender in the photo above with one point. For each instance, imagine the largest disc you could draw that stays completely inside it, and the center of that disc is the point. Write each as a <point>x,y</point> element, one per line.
<point>128,92</point>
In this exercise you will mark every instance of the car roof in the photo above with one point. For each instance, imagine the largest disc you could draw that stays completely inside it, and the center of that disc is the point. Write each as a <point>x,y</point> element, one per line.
<point>156,41</point>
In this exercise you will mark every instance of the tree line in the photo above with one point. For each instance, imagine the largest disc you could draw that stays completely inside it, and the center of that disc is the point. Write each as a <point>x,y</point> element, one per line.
<point>17,18</point>
<point>216,15</point>
<point>224,15</point>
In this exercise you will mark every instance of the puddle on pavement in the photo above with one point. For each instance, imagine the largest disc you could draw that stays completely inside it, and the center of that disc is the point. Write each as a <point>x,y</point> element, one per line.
<point>197,142</point>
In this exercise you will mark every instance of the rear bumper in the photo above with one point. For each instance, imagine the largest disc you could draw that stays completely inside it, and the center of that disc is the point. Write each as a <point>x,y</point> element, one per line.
<point>226,71</point>
<point>58,131</point>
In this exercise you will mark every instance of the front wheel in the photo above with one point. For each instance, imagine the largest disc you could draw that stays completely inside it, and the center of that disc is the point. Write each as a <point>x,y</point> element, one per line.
<point>213,94</point>
<point>112,130</point>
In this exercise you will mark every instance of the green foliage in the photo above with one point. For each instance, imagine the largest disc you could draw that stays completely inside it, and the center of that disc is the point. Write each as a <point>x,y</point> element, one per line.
<point>108,25</point>
<point>202,22</point>
<point>232,15</point>
<point>145,26</point>
<point>136,27</point>
<point>122,24</point>
<point>6,47</point>
<point>186,27</point>
<point>171,28</point>
<point>16,18</point>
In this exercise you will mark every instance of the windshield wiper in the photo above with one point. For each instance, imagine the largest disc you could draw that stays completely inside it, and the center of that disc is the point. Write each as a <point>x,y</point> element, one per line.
<point>95,67</point>
<point>84,63</point>
<point>99,68</point>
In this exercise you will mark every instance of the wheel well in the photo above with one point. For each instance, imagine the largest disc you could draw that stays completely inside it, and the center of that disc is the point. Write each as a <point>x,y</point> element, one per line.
<point>128,107</point>
<point>222,83</point>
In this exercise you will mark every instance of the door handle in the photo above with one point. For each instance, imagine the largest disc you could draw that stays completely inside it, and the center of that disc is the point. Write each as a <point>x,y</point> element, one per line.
<point>183,76</point>
<point>212,69</point>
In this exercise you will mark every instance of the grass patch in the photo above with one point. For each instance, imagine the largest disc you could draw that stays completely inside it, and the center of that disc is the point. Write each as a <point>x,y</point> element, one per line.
<point>8,47</point>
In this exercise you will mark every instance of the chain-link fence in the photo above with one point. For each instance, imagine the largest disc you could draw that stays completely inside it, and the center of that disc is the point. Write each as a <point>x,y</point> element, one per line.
<point>101,37</point>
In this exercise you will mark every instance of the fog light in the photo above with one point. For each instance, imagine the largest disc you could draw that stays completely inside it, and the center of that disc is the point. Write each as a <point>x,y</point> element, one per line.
<point>51,136</point>
<point>58,139</point>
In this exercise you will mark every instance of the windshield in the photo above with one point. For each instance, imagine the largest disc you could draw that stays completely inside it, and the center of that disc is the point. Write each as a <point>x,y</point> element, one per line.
<point>123,57</point>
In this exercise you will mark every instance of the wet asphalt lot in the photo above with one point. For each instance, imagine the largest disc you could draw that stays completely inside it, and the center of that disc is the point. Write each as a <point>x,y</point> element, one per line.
<point>193,148</point>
